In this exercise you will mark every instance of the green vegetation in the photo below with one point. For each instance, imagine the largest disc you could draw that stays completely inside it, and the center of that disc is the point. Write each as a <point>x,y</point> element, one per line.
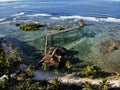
<point>87,86</point>
<point>68,65</point>
<point>30,26</point>
<point>91,72</point>
<point>118,73</point>
<point>55,72</point>
<point>9,64</point>
<point>30,71</point>
<point>23,80</point>
<point>55,84</point>
<point>28,84</point>
<point>45,66</point>
<point>103,85</point>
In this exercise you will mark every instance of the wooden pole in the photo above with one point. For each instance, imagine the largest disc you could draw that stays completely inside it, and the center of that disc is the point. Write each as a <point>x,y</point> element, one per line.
<point>66,30</point>
<point>46,44</point>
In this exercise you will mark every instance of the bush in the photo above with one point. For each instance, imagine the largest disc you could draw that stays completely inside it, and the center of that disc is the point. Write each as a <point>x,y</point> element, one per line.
<point>91,72</point>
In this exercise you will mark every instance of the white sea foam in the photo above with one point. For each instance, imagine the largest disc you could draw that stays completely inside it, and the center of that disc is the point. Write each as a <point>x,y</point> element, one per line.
<point>17,21</point>
<point>74,17</point>
<point>21,6</point>
<point>14,19</point>
<point>2,19</point>
<point>41,14</point>
<point>6,0</point>
<point>6,22</point>
<point>19,14</point>
<point>22,21</point>
<point>55,18</point>
<point>108,19</point>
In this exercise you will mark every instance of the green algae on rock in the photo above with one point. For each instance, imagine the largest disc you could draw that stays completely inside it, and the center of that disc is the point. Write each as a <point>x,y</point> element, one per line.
<point>31,26</point>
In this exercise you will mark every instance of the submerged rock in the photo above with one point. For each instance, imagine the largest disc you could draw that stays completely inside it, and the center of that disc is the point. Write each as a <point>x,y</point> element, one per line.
<point>109,46</point>
<point>17,24</point>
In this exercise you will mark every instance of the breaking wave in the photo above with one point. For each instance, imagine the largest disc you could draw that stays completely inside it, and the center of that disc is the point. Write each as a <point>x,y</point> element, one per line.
<point>19,14</point>
<point>2,19</point>
<point>108,19</point>
<point>15,18</point>
<point>41,14</point>
<point>6,22</point>
<point>7,0</point>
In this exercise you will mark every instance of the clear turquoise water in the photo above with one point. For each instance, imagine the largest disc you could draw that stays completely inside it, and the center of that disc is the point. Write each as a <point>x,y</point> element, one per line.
<point>102,20</point>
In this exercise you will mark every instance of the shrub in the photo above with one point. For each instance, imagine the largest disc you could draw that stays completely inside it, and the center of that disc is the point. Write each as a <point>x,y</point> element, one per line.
<point>91,72</point>
<point>104,85</point>
<point>87,86</point>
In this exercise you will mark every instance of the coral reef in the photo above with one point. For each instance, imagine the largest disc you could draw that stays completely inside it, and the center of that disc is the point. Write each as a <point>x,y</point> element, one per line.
<point>109,46</point>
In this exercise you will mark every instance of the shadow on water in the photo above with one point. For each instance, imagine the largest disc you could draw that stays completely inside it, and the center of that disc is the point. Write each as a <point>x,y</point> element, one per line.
<point>30,54</point>
<point>76,44</point>
<point>70,55</point>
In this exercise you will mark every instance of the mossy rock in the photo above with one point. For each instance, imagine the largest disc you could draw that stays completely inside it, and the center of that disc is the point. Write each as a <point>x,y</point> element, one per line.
<point>109,46</point>
<point>31,27</point>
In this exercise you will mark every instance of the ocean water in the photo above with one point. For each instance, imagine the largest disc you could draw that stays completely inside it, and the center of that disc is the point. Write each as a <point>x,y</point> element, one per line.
<point>102,18</point>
